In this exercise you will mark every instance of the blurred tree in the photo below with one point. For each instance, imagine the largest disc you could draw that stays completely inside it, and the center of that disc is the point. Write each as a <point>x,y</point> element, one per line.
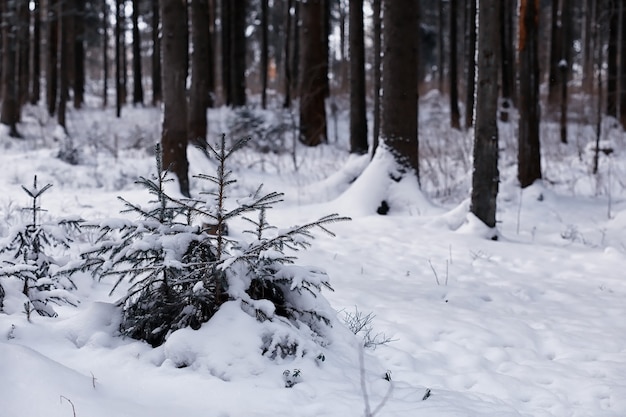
<point>137,75</point>
<point>79,54</point>
<point>507,58</point>
<point>35,68</point>
<point>201,61</point>
<point>157,94</point>
<point>313,77</point>
<point>529,154</point>
<point>455,116</point>
<point>612,64</point>
<point>470,35</point>
<point>174,74</point>
<point>119,50</point>
<point>358,117</point>
<point>485,176</point>
<point>10,104</point>
<point>264,51</point>
<point>52,56</point>
<point>399,84</point>
<point>237,56</point>
<point>376,67</point>
<point>105,52</point>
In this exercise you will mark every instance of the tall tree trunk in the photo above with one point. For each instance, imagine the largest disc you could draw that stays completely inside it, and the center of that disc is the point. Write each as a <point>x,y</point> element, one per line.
<point>52,57</point>
<point>326,46</point>
<point>358,117</point>
<point>455,116</point>
<point>211,49</point>
<point>23,55</point>
<point>238,53</point>
<point>441,46</point>
<point>529,154</point>
<point>485,176</point>
<point>377,29</point>
<point>295,57</point>
<point>79,55</point>
<point>590,8</point>
<point>622,72</point>
<point>65,9</point>
<point>200,64</point>
<point>564,65</point>
<point>105,53</point>
<point>137,73</point>
<point>507,59</point>
<point>612,65</point>
<point>264,52</point>
<point>157,94</point>
<point>471,63</point>
<point>556,42</point>
<point>226,19</point>
<point>119,94</point>
<point>399,84</point>
<point>174,52</point>
<point>313,77</point>
<point>287,59</point>
<point>35,91</point>
<point>10,106</point>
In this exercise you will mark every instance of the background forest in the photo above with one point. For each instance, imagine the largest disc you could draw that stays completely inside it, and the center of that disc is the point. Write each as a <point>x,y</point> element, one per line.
<point>186,182</point>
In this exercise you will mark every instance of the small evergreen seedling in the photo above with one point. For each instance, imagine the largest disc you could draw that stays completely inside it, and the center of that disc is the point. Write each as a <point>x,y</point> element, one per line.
<point>30,254</point>
<point>182,266</point>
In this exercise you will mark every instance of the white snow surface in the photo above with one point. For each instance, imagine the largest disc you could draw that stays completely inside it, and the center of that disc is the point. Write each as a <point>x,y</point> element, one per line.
<point>530,325</point>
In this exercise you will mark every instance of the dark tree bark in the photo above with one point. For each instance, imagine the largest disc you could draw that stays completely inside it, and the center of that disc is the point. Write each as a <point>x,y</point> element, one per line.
<point>326,46</point>
<point>238,52</point>
<point>377,29</point>
<point>226,19</point>
<point>119,50</point>
<point>157,94</point>
<point>264,52</point>
<point>137,74</point>
<point>52,57</point>
<point>455,116</point>
<point>10,106</point>
<point>65,9</point>
<point>529,154</point>
<point>358,117</point>
<point>35,91</point>
<point>287,58</point>
<point>485,176</point>
<point>313,77</point>
<point>399,83</point>
<point>295,57</point>
<point>471,63</point>
<point>23,44</point>
<point>79,55</point>
<point>556,42</point>
<point>441,47</point>
<point>200,64</point>
<point>612,64</point>
<point>174,52</point>
<point>590,10</point>
<point>507,59</point>
<point>622,90</point>
<point>105,52</point>
<point>211,49</point>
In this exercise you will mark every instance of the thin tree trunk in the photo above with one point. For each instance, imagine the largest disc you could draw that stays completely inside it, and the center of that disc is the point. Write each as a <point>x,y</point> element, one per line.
<point>23,42</point>
<point>238,53</point>
<point>118,59</point>
<point>612,65</point>
<point>590,7</point>
<point>295,58</point>
<point>622,90</point>
<point>35,92</point>
<point>105,53</point>
<point>556,42</point>
<point>137,73</point>
<point>507,59</point>
<point>64,11</point>
<point>157,94</point>
<point>529,155</point>
<point>287,58</point>
<point>212,49</point>
<point>441,46</point>
<point>79,55</point>
<point>200,64</point>
<point>10,107</point>
<point>52,57</point>
<point>471,63</point>
<point>264,52</point>
<point>377,29</point>
<point>358,117</point>
<point>226,20</point>
<point>485,176</point>
<point>455,116</point>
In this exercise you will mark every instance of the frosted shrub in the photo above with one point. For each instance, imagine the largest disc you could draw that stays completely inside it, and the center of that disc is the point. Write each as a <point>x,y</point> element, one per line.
<point>32,253</point>
<point>182,265</point>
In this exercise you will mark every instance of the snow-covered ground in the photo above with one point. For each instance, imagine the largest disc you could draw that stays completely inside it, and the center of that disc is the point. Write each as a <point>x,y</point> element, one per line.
<point>530,325</point>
